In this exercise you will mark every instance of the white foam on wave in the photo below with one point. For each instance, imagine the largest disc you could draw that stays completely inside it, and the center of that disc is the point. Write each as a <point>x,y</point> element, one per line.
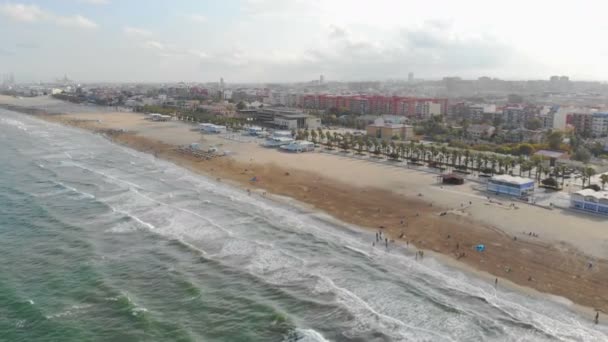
<point>14,123</point>
<point>305,335</point>
<point>82,194</point>
<point>280,268</point>
<point>72,310</point>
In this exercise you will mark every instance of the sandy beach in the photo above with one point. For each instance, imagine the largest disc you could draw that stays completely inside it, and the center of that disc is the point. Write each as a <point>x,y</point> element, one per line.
<point>382,197</point>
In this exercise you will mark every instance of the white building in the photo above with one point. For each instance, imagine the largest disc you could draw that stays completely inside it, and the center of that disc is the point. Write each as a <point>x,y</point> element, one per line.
<point>510,185</point>
<point>599,124</point>
<point>591,201</point>
<point>254,130</point>
<point>299,146</point>
<point>428,109</point>
<point>277,141</point>
<point>480,131</point>
<point>211,128</point>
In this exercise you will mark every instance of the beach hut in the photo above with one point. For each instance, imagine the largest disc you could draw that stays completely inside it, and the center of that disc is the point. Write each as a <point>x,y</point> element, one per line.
<point>254,130</point>
<point>282,134</point>
<point>510,185</point>
<point>591,201</point>
<point>277,142</point>
<point>298,146</point>
<point>452,179</point>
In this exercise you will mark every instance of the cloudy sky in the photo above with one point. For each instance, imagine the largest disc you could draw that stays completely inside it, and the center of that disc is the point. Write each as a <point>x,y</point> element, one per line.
<point>297,40</point>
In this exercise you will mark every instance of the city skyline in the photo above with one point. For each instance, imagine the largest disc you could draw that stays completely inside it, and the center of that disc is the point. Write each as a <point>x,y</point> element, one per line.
<point>277,41</point>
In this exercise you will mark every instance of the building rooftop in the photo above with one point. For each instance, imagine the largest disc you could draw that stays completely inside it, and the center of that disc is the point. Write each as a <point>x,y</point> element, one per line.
<point>592,193</point>
<point>512,179</point>
<point>550,154</point>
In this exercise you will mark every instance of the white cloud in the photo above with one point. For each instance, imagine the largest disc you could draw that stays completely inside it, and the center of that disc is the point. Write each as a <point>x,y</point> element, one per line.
<point>152,44</point>
<point>96,2</point>
<point>76,21</point>
<point>198,53</point>
<point>198,18</point>
<point>21,12</point>
<point>136,31</point>
<point>33,13</point>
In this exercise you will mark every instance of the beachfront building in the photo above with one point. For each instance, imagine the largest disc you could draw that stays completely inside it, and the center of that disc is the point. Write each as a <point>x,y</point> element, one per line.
<point>254,130</point>
<point>159,117</point>
<point>283,118</point>
<point>274,141</point>
<point>387,131</point>
<point>298,146</point>
<point>510,185</point>
<point>591,201</point>
<point>211,128</point>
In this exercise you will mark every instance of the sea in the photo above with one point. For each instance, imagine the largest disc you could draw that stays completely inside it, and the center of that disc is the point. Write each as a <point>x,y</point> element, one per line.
<point>103,243</point>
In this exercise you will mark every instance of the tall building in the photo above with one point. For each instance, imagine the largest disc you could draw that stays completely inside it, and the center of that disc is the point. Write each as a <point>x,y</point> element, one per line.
<point>321,79</point>
<point>221,84</point>
<point>410,77</point>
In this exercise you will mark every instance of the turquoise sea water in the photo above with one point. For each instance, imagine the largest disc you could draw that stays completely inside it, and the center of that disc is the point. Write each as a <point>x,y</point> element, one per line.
<point>102,243</point>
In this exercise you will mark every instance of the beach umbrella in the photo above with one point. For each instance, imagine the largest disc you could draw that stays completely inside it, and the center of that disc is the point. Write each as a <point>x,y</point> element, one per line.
<point>480,248</point>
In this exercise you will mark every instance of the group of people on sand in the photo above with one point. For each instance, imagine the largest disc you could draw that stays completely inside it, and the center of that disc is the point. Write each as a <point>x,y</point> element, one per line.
<point>532,234</point>
<point>379,239</point>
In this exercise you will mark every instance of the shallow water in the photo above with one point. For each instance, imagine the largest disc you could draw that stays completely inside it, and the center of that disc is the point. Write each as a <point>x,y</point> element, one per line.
<point>100,242</point>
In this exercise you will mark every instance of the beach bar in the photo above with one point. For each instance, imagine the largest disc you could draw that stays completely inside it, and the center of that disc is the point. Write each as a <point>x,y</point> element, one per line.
<point>452,179</point>
<point>591,201</point>
<point>510,185</point>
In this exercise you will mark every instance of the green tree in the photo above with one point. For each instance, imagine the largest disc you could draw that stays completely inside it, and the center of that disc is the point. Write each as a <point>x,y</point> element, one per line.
<point>582,154</point>
<point>525,149</point>
<point>586,174</point>
<point>604,180</point>
<point>240,105</point>
<point>554,139</point>
<point>533,124</point>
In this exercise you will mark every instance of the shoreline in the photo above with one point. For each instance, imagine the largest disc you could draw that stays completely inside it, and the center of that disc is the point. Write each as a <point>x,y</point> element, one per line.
<point>288,189</point>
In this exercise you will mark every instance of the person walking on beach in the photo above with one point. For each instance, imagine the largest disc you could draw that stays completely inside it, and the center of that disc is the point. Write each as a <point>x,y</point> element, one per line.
<point>597,317</point>
<point>376,236</point>
<point>495,282</point>
<point>386,242</point>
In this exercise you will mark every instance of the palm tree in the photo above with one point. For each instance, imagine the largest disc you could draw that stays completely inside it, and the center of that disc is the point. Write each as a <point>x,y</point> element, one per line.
<point>443,153</point>
<point>360,147</point>
<point>493,161</point>
<point>467,158</point>
<point>588,172</point>
<point>321,135</point>
<point>384,146</point>
<point>369,144</point>
<point>525,166</point>
<point>455,156</point>
<point>508,162</point>
<point>401,149</point>
<point>604,180</point>
<point>345,145</point>
<point>433,153</point>
<point>411,148</point>
<point>562,171</point>
<point>313,136</point>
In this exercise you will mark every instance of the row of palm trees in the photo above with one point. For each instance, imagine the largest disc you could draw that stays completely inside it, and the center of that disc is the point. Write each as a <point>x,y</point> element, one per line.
<point>444,157</point>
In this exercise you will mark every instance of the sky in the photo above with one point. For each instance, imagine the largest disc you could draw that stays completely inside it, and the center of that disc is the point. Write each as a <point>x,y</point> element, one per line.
<point>298,40</point>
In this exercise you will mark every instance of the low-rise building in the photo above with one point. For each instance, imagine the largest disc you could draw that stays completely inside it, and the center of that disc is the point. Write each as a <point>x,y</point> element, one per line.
<point>387,131</point>
<point>284,118</point>
<point>510,185</point>
<point>591,201</point>
<point>480,131</point>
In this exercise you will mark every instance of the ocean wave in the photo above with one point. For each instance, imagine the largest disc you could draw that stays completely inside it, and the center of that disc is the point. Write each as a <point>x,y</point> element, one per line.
<point>304,335</point>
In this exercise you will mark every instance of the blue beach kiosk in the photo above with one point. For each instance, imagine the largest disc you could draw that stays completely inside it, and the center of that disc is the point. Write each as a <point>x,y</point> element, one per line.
<point>591,201</point>
<point>510,185</point>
